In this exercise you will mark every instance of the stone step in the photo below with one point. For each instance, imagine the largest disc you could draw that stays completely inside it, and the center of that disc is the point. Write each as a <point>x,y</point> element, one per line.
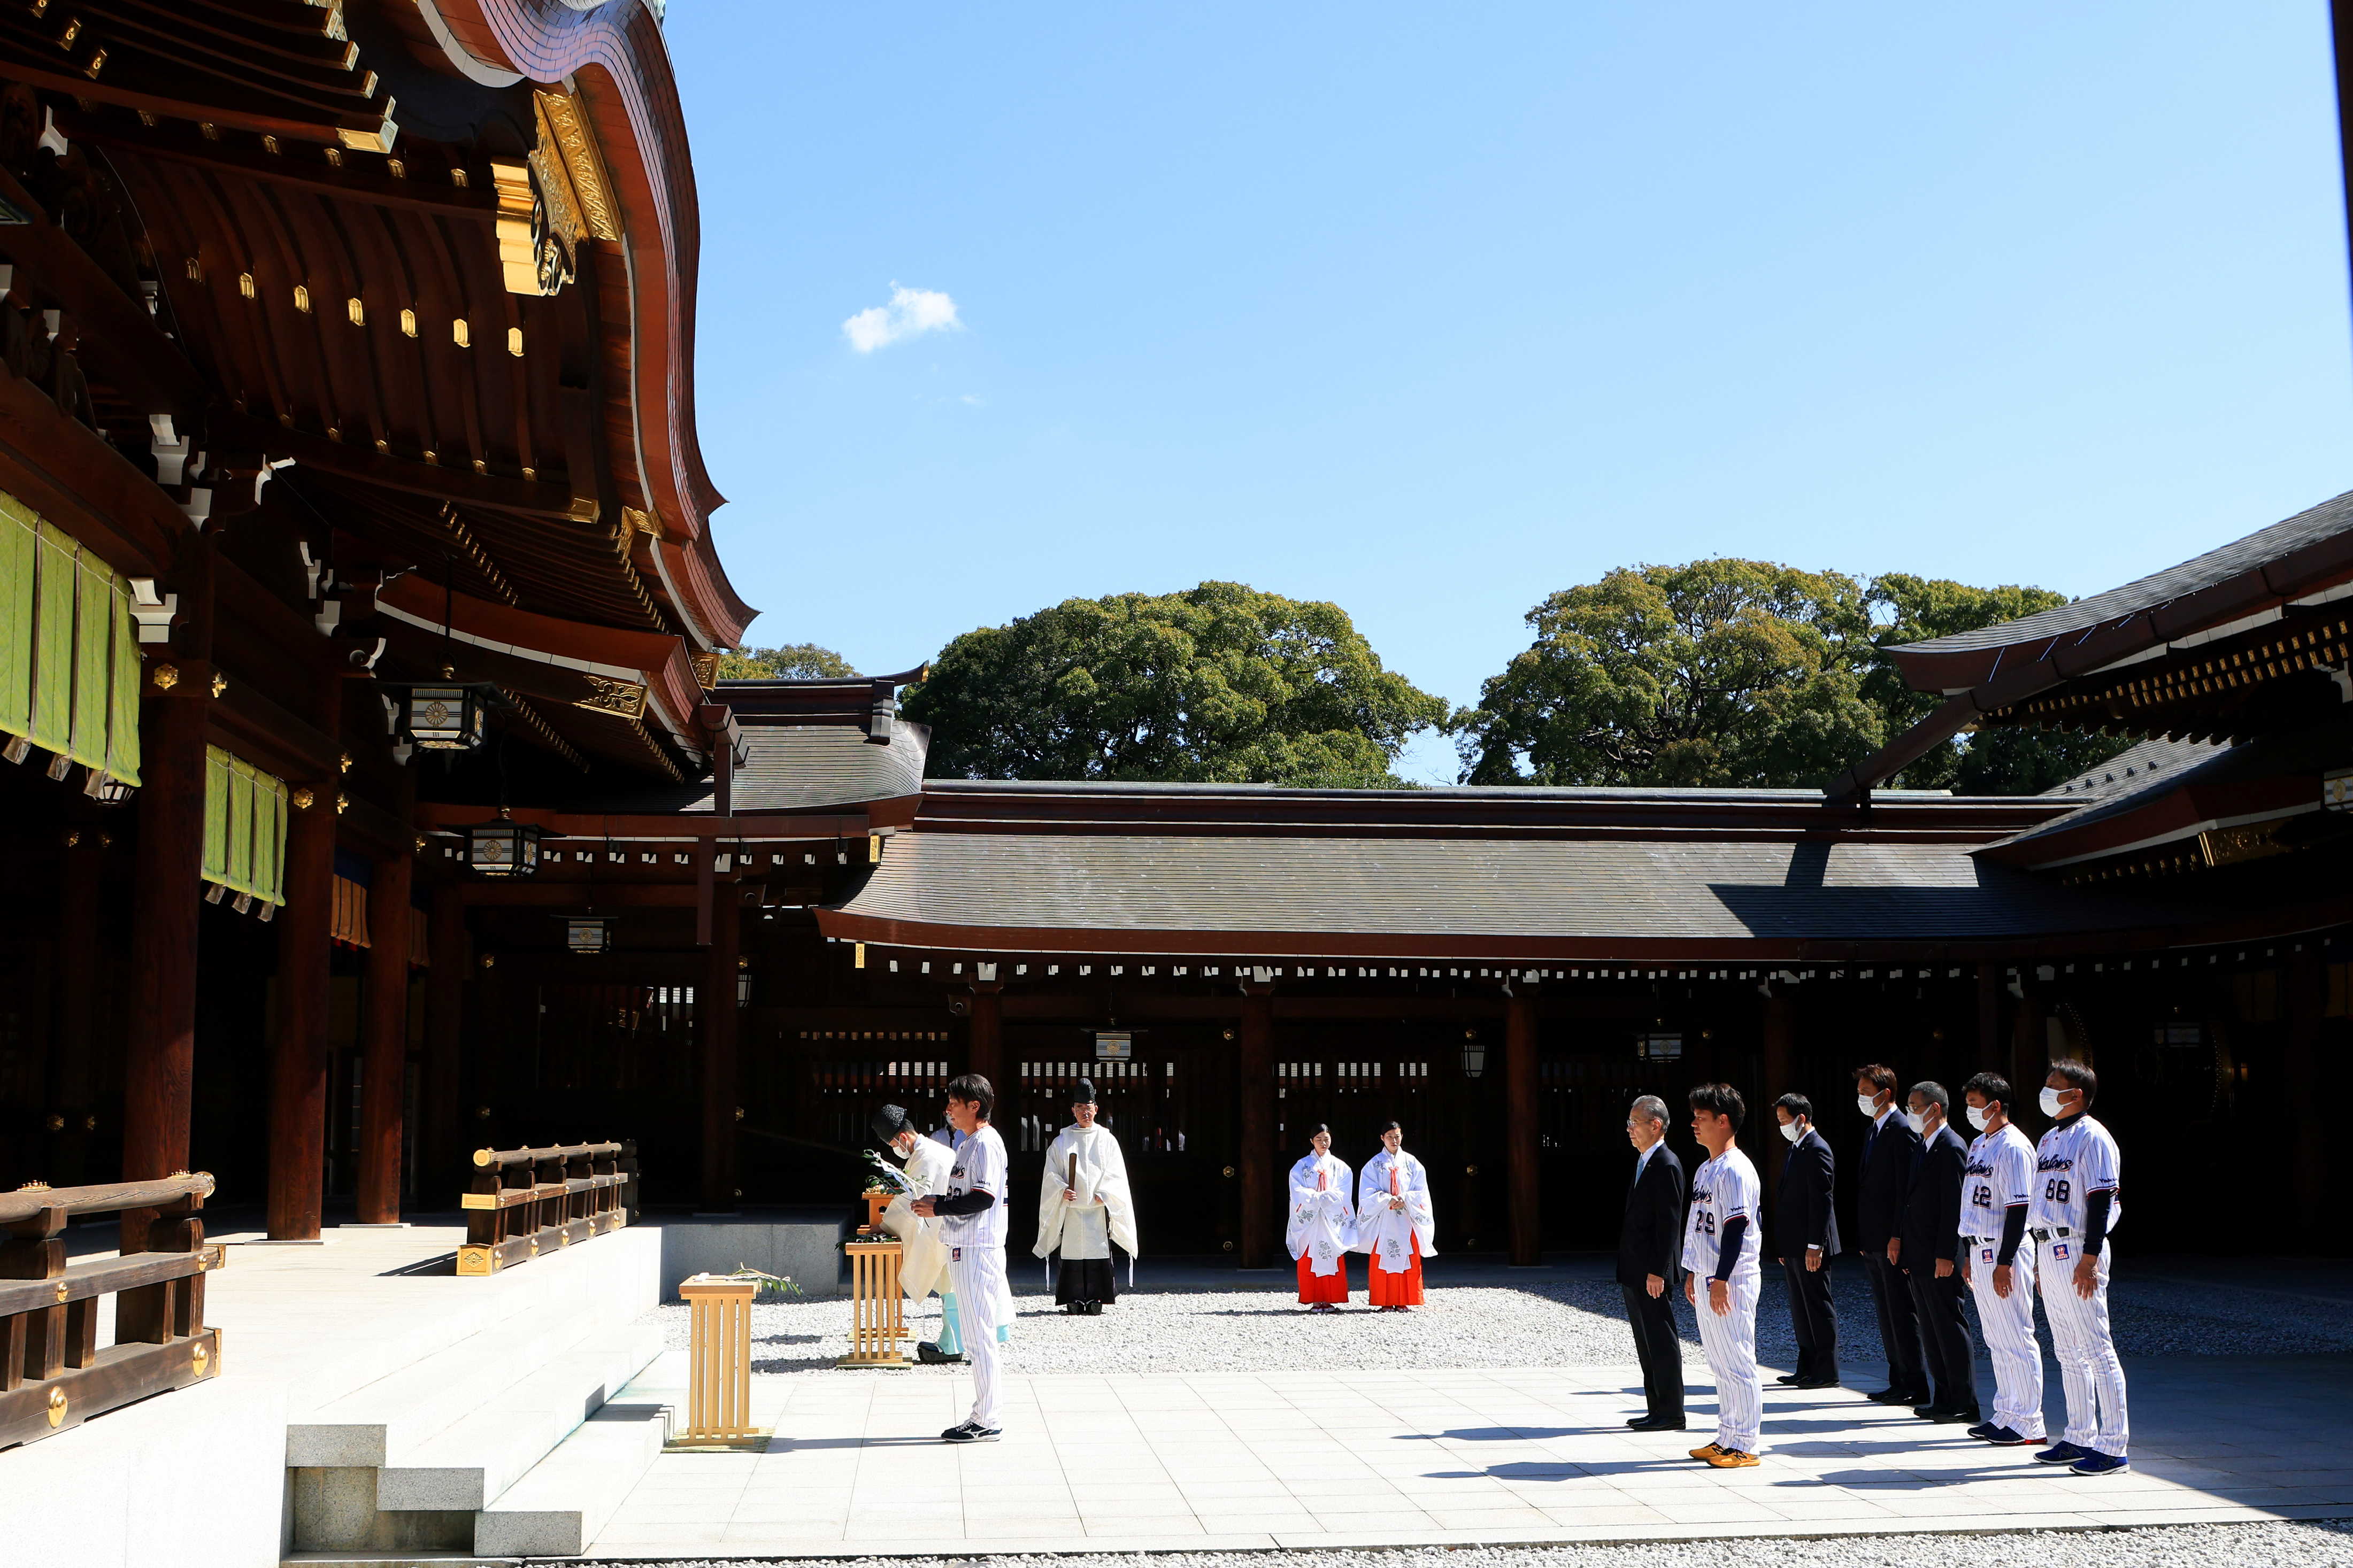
<point>567,1498</point>
<point>380,1422</point>
<point>485,1452</point>
<point>393,1559</point>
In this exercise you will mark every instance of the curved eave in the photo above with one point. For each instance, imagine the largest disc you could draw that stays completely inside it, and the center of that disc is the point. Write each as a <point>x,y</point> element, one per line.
<point>615,59</point>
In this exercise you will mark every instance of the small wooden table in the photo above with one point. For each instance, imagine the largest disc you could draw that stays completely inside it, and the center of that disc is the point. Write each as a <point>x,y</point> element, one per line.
<point>878,1320</point>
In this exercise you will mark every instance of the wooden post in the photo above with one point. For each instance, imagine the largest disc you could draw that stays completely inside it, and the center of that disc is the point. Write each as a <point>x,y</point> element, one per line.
<point>715,1017</point>
<point>383,1043</point>
<point>1989,1052</point>
<point>297,1086</point>
<point>75,1009</point>
<point>1257,1094</point>
<point>1520,1125</point>
<point>2029,1050</point>
<point>2311,1092</point>
<point>160,1055</point>
<point>441,1103</point>
<point>719,1359</point>
<point>985,1053</point>
<point>1780,1075</point>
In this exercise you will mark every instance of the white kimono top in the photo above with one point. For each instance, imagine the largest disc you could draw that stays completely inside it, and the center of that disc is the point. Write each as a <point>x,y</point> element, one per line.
<point>1323,1222</point>
<point>1087,1227</point>
<point>924,1267</point>
<point>1382,1230</point>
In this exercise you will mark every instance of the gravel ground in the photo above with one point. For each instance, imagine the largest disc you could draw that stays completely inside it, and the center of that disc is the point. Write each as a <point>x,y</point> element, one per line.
<point>2327,1544</point>
<point>1557,1323</point>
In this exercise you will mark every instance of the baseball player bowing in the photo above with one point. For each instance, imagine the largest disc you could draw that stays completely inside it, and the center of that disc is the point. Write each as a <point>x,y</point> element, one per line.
<point>1718,1246</point>
<point>1997,1263</point>
<point>2074,1209</point>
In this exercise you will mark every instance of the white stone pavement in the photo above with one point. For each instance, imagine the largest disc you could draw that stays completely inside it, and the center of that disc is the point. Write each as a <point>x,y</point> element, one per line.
<point>1161,1461</point>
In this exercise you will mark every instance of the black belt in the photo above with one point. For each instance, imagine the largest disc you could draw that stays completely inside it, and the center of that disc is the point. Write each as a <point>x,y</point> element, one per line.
<point>2047,1235</point>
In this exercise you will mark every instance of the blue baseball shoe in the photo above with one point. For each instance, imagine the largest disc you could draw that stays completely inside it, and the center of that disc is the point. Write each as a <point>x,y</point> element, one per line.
<point>2009,1437</point>
<point>2097,1463</point>
<point>2060,1454</point>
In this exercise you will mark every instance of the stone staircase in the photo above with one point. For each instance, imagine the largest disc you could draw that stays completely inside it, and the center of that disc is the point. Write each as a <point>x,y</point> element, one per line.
<point>507,1439</point>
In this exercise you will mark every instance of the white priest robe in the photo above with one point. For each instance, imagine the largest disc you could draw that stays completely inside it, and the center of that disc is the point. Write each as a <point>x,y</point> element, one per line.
<point>1323,1224</point>
<point>1385,1230</point>
<point>1085,1161</point>
<point>924,1267</point>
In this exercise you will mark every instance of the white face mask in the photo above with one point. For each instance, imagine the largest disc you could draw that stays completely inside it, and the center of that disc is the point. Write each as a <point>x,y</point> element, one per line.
<point>1916,1121</point>
<point>1977,1117</point>
<point>1792,1130</point>
<point>2050,1100</point>
<point>1867,1104</point>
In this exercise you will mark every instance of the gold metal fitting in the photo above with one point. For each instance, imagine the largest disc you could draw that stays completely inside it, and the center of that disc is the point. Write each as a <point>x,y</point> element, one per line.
<point>482,1157</point>
<point>63,1290</point>
<point>165,676</point>
<point>41,1186</point>
<point>220,684</point>
<point>343,802</point>
<point>344,761</point>
<point>302,797</point>
<point>201,1357</point>
<point>73,836</point>
<point>57,1406</point>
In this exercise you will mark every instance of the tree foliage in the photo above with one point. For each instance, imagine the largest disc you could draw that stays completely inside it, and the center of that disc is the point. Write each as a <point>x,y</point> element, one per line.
<point>1722,672</point>
<point>1743,673</point>
<point>2008,759</point>
<point>797,661</point>
<point>1216,684</point>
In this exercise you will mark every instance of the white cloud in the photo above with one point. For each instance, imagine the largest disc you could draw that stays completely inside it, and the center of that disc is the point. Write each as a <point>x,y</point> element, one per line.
<point>912,312</point>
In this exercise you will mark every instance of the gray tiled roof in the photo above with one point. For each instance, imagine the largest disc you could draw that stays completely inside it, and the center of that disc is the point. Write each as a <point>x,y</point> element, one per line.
<point>801,767</point>
<point>1418,887</point>
<point>2150,762</point>
<point>2326,520</point>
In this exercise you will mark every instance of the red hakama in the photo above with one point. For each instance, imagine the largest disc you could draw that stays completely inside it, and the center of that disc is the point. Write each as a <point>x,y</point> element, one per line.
<point>1399,1289</point>
<point>1314,1286</point>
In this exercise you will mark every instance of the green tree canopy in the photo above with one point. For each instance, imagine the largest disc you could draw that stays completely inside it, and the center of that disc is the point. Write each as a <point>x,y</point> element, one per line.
<point>798,662</point>
<point>2003,760</point>
<point>1722,672</point>
<point>1729,672</point>
<point>1219,684</point>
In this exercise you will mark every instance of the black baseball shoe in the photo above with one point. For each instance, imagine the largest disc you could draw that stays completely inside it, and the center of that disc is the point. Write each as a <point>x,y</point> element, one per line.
<point>972,1432</point>
<point>930,1354</point>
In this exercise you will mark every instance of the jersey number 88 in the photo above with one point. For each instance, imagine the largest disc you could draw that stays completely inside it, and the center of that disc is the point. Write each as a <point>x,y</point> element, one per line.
<point>2055,1191</point>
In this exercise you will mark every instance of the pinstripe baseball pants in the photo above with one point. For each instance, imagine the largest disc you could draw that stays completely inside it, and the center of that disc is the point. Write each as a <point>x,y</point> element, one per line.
<point>1730,1342</point>
<point>2088,1368</point>
<point>2009,1325</point>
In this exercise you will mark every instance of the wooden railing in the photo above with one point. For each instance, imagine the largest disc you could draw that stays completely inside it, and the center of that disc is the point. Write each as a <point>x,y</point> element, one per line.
<point>52,1373</point>
<point>527,1201</point>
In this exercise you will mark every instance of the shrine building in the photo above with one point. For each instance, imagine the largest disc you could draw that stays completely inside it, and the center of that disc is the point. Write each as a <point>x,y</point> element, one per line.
<point>376,798</point>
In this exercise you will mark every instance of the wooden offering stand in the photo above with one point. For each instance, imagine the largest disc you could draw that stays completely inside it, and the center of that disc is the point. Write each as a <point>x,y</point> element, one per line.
<point>877,1318</point>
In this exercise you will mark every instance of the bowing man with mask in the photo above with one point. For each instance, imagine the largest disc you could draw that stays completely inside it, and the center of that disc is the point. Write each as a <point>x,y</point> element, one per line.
<point>924,1265</point>
<point>1322,1229</point>
<point>1394,1222</point>
<point>1085,1210</point>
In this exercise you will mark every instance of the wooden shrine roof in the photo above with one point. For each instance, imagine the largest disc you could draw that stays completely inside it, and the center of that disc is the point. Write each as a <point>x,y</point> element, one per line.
<point>414,279</point>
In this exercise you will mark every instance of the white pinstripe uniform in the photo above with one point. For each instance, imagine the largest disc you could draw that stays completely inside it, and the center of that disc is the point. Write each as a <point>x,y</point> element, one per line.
<point>2074,1161</point>
<point>976,1244</point>
<point>1725,1188</point>
<point>1999,1177</point>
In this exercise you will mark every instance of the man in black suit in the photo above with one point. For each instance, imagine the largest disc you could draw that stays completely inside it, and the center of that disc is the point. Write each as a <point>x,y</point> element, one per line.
<point>1925,1251</point>
<point>1650,1263</point>
<point>1889,1154</point>
<point>1805,1235</point>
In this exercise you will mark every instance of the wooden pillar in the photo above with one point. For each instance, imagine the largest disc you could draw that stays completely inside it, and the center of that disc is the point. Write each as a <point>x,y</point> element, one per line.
<point>160,1053</point>
<point>715,1015</point>
<point>298,1068</point>
<point>2311,1095</point>
<point>1520,1154</point>
<point>1780,1078</point>
<point>76,1010</point>
<point>383,1043</point>
<point>441,1102</point>
<point>2029,1052</point>
<point>1989,1052</point>
<point>1260,1210</point>
<point>985,1053</point>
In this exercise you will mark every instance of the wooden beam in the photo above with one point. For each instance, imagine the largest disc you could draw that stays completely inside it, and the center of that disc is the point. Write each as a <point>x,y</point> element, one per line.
<point>434,198</point>
<point>684,828</point>
<point>228,428</point>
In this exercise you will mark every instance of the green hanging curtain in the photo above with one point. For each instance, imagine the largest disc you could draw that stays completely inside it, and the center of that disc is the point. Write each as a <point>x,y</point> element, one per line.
<point>69,663</point>
<point>245,828</point>
<point>19,539</point>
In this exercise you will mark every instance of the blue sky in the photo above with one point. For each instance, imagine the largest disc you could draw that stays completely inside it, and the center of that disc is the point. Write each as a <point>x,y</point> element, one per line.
<point>1429,310</point>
